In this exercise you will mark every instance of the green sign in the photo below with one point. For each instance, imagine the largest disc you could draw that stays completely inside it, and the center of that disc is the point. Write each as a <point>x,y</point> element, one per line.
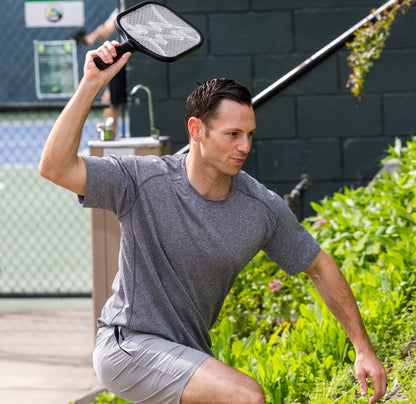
<point>56,68</point>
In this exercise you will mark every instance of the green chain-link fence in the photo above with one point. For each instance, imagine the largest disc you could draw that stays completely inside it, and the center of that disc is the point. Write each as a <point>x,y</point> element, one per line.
<point>45,236</point>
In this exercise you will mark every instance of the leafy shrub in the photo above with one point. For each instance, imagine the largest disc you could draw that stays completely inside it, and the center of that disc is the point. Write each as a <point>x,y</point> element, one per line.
<point>109,398</point>
<point>263,298</point>
<point>401,370</point>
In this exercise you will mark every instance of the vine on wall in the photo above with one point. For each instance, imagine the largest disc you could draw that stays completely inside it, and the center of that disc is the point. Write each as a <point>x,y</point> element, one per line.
<point>368,44</point>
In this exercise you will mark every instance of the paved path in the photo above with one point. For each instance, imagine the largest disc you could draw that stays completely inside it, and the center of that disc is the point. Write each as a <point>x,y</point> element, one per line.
<point>46,355</point>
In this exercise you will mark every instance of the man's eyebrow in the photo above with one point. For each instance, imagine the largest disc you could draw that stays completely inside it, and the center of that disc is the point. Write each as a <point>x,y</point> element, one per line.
<point>240,130</point>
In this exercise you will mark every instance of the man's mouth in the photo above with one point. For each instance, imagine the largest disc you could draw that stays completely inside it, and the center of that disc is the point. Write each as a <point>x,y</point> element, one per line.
<point>239,160</point>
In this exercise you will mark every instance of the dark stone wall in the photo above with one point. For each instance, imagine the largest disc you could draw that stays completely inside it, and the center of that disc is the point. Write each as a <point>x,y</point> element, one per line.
<point>315,126</point>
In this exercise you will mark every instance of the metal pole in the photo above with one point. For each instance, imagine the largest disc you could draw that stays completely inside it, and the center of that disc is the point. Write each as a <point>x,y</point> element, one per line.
<point>316,58</point>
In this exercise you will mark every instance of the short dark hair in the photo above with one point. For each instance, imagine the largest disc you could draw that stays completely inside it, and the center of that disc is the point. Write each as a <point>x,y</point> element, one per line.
<point>203,102</point>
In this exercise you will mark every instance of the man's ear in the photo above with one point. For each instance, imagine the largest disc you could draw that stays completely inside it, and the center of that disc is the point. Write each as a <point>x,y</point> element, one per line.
<point>194,128</point>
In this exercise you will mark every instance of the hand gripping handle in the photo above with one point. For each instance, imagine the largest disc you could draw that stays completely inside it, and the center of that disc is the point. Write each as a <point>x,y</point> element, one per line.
<point>121,50</point>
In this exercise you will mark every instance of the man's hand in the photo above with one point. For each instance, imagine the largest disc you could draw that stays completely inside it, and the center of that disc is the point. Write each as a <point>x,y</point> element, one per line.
<point>106,52</point>
<point>368,366</point>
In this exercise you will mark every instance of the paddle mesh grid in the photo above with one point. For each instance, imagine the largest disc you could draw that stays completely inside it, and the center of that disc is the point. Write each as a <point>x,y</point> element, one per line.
<point>160,30</point>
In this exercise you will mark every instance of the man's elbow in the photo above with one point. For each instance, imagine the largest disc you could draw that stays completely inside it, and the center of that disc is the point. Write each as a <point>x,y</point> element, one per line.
<point>72,177</point>
<point>48,170</point>
<point>53,171</point>
<point>323,262</point>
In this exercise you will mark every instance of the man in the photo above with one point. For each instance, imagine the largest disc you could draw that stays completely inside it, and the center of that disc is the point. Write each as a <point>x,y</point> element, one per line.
<point>189,224</point>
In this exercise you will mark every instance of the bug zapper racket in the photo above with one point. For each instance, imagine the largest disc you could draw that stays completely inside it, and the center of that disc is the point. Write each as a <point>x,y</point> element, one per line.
<point>155,30</point>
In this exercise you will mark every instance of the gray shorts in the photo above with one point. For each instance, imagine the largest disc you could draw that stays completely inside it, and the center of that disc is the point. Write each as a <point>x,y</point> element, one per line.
<point>143,368</point>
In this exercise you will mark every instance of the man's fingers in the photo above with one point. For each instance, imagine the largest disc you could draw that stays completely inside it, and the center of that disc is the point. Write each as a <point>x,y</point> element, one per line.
<point>380,387</point>
<point>379,382</point>
<point>106,52</point>
<point>369,367</point>
<point>363,385</point>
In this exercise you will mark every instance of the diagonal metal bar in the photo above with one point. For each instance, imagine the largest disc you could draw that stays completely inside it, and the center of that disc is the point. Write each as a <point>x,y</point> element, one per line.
<point>317,58</point>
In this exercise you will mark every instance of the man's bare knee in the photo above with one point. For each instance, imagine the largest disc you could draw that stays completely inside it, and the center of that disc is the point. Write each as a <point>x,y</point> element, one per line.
<point>215,382</point>
<point>255,395</point>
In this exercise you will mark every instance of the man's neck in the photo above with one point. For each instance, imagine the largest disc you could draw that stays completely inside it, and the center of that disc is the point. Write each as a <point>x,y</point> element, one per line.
<point>208,182</point>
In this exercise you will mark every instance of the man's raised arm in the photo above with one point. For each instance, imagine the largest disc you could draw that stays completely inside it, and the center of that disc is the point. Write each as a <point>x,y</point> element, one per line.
<point>60,162</point>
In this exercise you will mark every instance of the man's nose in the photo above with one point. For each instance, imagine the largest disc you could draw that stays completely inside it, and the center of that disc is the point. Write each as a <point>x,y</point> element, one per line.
<point>244,145</point>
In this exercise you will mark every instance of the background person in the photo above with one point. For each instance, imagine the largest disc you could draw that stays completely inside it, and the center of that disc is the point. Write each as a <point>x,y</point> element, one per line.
<point>116,93</point>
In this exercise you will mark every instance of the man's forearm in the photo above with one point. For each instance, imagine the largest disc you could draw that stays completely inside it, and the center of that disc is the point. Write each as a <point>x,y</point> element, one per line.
<point>60,162</point>
<point>336,293</point>
<point>60,152</point>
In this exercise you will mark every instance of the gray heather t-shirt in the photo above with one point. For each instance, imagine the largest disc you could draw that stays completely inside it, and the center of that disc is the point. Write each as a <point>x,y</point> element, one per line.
<point>181,252</point>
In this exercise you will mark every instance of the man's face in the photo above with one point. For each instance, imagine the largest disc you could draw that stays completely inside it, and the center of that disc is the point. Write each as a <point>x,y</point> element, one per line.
<point>226,140</point>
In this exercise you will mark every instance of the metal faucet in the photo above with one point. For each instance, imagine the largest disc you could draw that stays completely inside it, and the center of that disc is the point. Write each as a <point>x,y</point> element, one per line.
<point>154,131</point>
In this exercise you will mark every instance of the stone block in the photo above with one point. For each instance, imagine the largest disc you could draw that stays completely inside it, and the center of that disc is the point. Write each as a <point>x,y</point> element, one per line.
<point>403,31</point>
<point>143,70</point>
<point>356,3</point>
<point>393,72</point>
<point>286,160</point>
<point>323,79</point>
<point>399,114</point>
<point>211,6</point>
<point>339,116</point>
<point>302,4</point>
<point>314,29</point>
<point>362,157</point>
<point>287,5</point>
<point>250,33</point>
<point>276,119</point>
<point>185,74</point>
<point>170,118</point>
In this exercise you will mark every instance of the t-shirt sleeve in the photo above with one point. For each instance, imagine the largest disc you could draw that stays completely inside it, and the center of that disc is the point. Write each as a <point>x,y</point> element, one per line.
<point>291,246</point>
<point>109,185</point>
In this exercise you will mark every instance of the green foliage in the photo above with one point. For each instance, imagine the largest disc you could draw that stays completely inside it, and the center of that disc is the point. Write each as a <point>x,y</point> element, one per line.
<point>289,363</point>
<point>255,303</point>
<point>109,398</point>
<point>401,370</point>
<point>368,44</point>
<point>371,233</point>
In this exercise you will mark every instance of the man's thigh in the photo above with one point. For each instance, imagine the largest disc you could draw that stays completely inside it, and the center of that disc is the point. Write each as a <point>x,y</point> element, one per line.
<point>144,368</point>
<point>215,382</point>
